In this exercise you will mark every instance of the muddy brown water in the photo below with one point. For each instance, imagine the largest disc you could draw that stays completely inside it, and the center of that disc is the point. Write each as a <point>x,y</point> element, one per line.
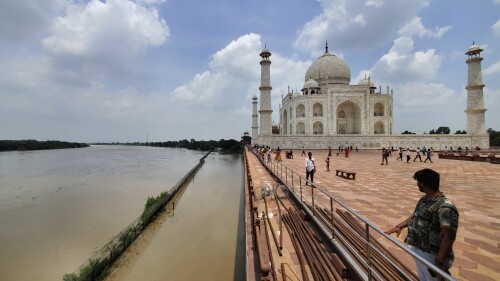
<point>57,207</point>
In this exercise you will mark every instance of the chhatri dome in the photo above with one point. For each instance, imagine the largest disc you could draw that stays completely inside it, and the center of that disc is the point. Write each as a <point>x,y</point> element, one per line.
<point>366,82</point>
<point>329,67</point>
<point>474,49</point>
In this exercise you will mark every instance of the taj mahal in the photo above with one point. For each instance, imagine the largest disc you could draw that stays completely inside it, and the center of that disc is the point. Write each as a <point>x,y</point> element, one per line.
<point>329,111</point>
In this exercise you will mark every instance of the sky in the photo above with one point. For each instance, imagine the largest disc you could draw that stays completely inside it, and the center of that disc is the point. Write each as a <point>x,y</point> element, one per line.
<point>158,70</point>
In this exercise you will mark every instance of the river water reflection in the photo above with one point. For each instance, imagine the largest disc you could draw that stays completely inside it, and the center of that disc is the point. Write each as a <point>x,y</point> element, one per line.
<point>59,206</point>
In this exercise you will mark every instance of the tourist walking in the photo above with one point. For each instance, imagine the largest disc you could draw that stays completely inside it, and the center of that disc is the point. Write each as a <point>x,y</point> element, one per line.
<point>408,155</point>
<point>278,155</point>
<point>310,168</point>
<point>400,154</point>
<point>432,227</point>
<point>303,151</point>
<point>329,151</point>
<point>385,155</point>
<point>428,154</point>
<point>418,155</point>
<point>327,160</point>
<point>346,151</point>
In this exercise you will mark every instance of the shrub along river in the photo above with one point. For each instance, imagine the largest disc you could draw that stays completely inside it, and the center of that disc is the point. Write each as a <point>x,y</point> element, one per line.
<point>57,207</point>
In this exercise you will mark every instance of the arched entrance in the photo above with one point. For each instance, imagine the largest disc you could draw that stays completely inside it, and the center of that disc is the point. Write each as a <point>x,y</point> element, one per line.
<point>378,128</point>
<point>348,118</point>
<point>301,128</point>
<point>378,109</point>
<point>317,109</point>
<point>318,128</point>
<point>300,111</point>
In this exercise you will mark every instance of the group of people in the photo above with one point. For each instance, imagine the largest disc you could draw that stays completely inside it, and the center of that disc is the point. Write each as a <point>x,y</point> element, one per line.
<point>433,225</point>
<point>265,152</point>
<point>427,152</point>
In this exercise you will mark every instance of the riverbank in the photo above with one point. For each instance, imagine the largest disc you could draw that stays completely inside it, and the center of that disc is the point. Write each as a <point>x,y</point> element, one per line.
<point>23,145</point>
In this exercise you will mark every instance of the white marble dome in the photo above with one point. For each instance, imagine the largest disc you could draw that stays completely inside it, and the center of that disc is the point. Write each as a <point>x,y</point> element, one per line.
<point>329,67</point>
<point>366,82</point>
<point>474,49</point>
<point>310,84</point>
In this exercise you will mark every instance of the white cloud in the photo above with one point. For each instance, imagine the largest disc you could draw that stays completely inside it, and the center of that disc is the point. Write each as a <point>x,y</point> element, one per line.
<point>21,20</point>
<point>420,103</point>
<point>234,77</point>
<point>492,70</point>
<point>211,105</point>
<point>415,27</point>
<point>424,97</point>
<point>150,2</point>
<point>496,27</point>
<point>411,73</point>
<point>343,23</point>
<point>401,64</point>
<point>374,3</point>
<point>105,32</point>
<point>230,73</point>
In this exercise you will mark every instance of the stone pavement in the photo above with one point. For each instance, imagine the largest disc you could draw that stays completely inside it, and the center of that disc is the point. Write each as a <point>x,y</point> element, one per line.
<point>387,194</point>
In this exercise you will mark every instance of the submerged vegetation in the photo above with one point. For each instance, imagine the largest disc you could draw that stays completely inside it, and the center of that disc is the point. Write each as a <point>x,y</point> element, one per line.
<point>9,145</point>
<point>97,267</point>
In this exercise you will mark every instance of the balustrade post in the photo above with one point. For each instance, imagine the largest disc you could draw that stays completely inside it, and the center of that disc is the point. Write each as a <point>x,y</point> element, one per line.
<point>368,251</point>
<point>301,193</point>
<point>333,222</point>
<point>312,196</point>
<point>286,175</point>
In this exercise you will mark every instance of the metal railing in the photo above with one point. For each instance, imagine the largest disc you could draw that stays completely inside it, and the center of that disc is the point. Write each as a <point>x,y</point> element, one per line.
<point>314,195</point>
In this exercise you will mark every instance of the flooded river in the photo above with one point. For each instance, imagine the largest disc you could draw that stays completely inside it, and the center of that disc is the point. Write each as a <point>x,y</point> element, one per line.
<point>59,206</point>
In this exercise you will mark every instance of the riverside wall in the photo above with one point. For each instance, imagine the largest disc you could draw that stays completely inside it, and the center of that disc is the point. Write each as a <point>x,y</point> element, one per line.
<point>438,142</point>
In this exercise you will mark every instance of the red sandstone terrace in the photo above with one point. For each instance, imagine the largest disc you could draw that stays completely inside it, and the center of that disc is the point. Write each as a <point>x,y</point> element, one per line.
<point>387,194</point>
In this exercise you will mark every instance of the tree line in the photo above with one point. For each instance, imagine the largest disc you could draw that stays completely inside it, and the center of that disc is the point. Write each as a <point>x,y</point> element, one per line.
<point>494,135</point>
<point>231,145</point>
<point>10,145</point>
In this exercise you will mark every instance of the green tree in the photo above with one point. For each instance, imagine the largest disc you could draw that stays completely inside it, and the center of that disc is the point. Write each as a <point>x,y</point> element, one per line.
<point>443,130</point>
<point>494,137</point>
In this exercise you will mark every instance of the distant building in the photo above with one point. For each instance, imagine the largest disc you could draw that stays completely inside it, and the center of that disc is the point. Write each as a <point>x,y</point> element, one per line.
<point>246,139</point>
<point>329,111</point>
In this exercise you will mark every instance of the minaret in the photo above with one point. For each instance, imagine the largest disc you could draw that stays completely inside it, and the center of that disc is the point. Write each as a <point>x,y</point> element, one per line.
<point>255,124</point>
<point>475,101</point>
<point>265,94</point>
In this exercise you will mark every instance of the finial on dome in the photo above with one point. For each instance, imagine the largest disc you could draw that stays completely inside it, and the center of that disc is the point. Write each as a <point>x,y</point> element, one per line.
<point>326,47</point>
<point>473,42</point>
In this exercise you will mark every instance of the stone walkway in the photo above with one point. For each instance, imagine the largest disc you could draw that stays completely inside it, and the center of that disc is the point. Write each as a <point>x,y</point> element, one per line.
<point>387,194</point>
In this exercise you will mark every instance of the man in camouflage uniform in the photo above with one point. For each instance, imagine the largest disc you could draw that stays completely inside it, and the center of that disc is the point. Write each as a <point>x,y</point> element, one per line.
<point>432,228</point>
